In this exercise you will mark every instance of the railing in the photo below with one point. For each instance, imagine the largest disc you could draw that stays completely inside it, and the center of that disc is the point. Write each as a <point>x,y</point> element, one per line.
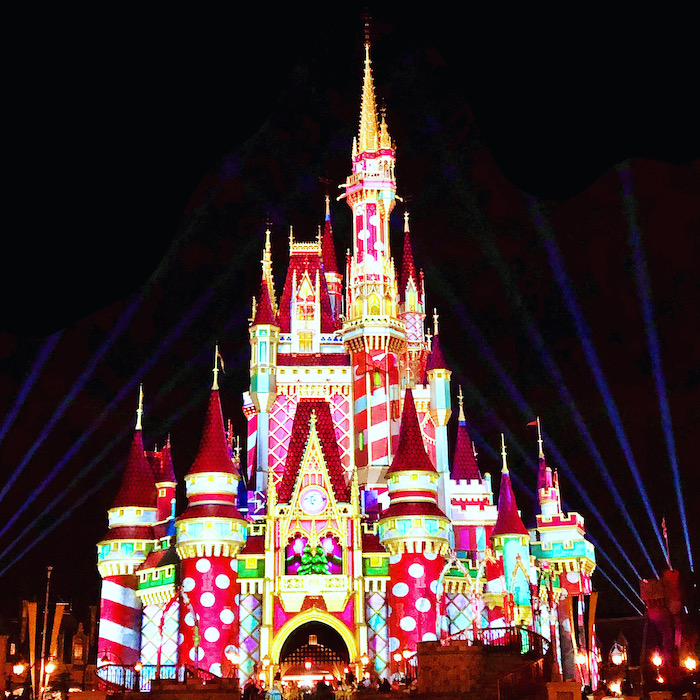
<point>116,678</point>
<point>521,638</point>
<point>522,682</point>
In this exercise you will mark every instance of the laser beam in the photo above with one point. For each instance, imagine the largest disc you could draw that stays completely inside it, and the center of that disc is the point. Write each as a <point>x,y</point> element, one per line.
<point>584,335</point>
<point>641,275</point>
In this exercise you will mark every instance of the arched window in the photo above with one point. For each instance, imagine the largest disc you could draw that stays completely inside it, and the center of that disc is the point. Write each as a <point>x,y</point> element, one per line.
<point>374,307</point>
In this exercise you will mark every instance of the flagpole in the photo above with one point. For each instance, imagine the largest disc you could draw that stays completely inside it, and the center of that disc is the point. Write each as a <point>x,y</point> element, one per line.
<point>49,569</point>
<point>668,551</point>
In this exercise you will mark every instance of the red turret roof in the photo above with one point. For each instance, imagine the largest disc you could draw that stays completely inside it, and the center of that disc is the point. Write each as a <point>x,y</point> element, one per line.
<point>328,247</point>
<point>408,267</point>
<point>162,464</point>
<point>213,455</point>
<point>508,521</point>
<point>436,360</point>
<point>329,447</point>
<point>410,454</point>
<point>264,313</point>
<point>138,487</point>
<point>299,261</point>
<point>464,464</point>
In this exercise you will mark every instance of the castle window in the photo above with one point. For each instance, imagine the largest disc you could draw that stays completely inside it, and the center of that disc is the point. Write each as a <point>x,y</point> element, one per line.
<point>251,563</point>
<point>161,492</point>
<point>305,341</point>
<point>374,308</point>
<point>411,304</point>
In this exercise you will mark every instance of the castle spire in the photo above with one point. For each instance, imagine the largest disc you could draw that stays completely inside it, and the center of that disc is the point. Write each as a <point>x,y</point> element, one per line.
<point>464,464</point>
<point>509,521</point>
<point>368,135</point>
<point>408,266</point>
<point>139,410</point>
<point>330,264</point>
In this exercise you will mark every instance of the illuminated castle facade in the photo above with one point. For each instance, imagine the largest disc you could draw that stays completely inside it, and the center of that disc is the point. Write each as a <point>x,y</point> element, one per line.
<point>358,523</point>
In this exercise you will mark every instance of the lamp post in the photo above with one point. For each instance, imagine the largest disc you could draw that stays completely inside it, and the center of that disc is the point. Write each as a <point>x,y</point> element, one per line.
<point>407,655</point>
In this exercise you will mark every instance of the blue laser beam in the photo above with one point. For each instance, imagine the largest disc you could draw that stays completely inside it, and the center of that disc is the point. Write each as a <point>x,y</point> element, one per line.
<point>641,275</point>
<point>85,375</point>
<point>527,413</point>
<point>174,334</point>
<point>473,391</point>
<point>28,383</point>
<point>584,335</point>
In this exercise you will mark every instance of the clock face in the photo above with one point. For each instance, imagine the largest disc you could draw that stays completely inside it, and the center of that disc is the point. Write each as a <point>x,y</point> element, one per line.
<point>313,500</point>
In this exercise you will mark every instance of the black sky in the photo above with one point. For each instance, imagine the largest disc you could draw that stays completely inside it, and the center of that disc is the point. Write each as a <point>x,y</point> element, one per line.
<point>150,151</point>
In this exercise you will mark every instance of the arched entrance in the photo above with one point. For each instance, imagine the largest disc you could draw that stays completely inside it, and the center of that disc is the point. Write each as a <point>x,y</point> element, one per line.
<point>312,645</point>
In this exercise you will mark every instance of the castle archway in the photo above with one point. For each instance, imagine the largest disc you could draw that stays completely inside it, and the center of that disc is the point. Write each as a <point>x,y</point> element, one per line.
<point>313,636</point>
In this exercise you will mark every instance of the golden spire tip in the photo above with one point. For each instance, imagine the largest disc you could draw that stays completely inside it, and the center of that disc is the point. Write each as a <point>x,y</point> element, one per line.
<point>139,410</point>
<point>503,454</point>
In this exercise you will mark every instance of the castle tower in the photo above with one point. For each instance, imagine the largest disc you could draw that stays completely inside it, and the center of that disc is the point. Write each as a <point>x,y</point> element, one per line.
<point>473,511</point>
<point>264,337</point>
<point>440,411</point>
<point>373,334</point>
<point>412,313</point>
<point>122,550</point>
<point>334,280</point>
<point>511,541</point>
<point>210,533</point>
<point>416,533</point>
<point>162,465</point>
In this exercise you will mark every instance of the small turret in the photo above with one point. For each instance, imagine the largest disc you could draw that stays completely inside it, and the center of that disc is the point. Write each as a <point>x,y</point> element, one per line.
<point>123,549</point>
<point>264,337</point>
<point>210,533</point>
<point>440,412</point>
<point>416,533</point>
<point>334,280</point>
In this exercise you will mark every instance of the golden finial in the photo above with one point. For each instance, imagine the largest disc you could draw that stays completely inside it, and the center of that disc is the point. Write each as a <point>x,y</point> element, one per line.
<point>503,454</point>
<point>539,438</point>
<point>368,111</point>
<point>460,401</point>
<point>435,321</point>
<point>384,138</point>
<point>429,336</point>
<point>267,270</point>
<point>139,410</point>
<point>405,221</point>
<point>215,385</point>
<point>474,449</point>
<point>291,238</point>
<point>328,206</point>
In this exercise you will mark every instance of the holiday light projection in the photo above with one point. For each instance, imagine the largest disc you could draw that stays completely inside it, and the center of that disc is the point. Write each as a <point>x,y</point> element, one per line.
<point>302,559</point>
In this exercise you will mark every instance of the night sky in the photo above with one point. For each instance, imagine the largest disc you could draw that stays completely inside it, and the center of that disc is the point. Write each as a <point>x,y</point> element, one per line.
<point>147,153</point>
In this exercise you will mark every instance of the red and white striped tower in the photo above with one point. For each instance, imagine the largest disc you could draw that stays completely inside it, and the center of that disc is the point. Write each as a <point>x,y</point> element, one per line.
<point>416,533</point>
<point>373,334</point>
<point>210,534</point>
<point>122,550</point>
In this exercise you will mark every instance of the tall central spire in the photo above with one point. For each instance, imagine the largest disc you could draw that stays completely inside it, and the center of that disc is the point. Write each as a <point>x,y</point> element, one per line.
<point>368,137</point>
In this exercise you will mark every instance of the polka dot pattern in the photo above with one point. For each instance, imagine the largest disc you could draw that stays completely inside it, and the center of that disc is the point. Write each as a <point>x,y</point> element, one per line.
<point>211,586</point>
<point>393,644</point>
<point>430,556</point>
<point>207,599</point>
<point>400,589</point>
<point>408,624</point>
<point>429,637</point>
<point>394,559</point>
<point>226,616</point>
<point>222,581</point>
<point>416,570</point>
<point>422,605</point>
<point>215,669</point>
<point>211,634</point>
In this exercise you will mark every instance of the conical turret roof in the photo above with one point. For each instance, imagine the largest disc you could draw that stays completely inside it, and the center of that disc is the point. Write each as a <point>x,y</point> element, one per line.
<point>464,465</point>
<point>509,521</point>
<point>411,453</point>
<point>213,454</point>
<point>138,486</point>
<point>408,266</point>
<point>264,313</point>
<point>327,244</point>
<point>436,360</point>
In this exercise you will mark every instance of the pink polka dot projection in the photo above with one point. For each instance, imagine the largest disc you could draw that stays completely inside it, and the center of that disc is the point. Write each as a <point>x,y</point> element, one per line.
<point>212,588</point>
<point>412,599</point>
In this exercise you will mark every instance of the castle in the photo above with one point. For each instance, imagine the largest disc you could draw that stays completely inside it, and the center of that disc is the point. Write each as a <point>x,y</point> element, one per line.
<point>354,531</point>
